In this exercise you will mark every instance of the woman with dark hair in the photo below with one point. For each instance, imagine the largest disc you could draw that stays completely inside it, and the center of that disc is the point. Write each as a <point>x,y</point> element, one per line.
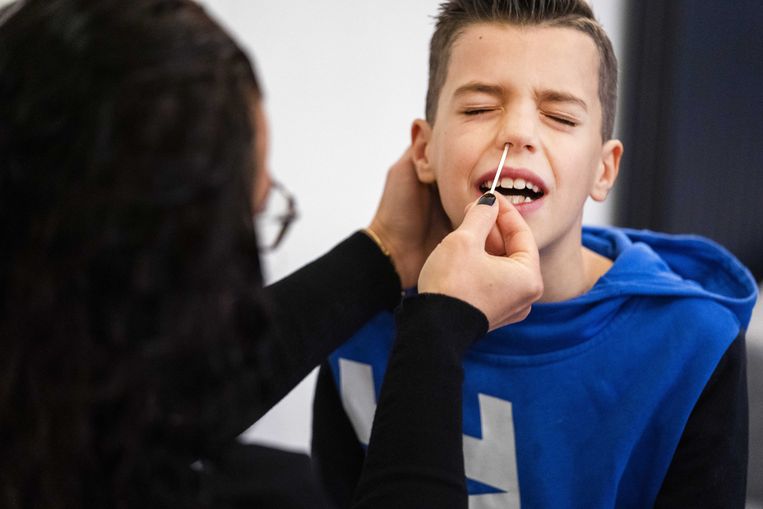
<point>137,340</point>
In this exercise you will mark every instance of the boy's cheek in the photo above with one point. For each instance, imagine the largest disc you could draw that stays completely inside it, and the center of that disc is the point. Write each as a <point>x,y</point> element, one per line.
<point>452,170</point>
<point>455,210</point>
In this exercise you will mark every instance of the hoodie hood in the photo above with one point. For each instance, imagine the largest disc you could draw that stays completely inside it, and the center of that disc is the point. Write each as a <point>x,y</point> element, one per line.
<point>647,266</point>
<point>658,264</point>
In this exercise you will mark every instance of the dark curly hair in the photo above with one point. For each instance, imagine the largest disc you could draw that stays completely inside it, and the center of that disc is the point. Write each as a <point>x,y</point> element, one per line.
<point>130,287</point>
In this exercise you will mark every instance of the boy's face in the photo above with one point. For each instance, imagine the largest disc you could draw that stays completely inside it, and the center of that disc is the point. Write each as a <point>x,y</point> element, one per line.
<point>535,88</point>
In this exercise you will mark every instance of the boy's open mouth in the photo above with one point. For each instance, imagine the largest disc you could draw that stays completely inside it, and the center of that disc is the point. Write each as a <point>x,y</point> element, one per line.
<point>516,190</point>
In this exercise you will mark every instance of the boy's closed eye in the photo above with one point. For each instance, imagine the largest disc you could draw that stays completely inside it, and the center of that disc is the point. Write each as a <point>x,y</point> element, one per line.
<point>480,110</point>
<point>555,117</point>
<point>561,119</point>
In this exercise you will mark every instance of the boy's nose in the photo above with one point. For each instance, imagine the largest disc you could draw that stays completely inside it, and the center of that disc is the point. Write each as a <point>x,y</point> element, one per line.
<point>519,130</point>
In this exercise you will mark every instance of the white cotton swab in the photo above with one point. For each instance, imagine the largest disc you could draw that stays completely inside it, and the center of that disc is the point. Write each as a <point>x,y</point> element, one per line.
<point>500,167</point>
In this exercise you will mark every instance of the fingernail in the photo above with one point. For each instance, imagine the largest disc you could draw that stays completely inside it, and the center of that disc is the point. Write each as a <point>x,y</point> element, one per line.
<point>487,199</point>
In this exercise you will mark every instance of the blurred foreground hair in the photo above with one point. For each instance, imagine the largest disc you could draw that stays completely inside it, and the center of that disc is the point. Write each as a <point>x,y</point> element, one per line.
<point>130,295</point>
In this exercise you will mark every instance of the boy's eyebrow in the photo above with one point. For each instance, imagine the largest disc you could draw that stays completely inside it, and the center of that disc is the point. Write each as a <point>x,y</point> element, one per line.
<point>478,87</point>
<point>557,96</point>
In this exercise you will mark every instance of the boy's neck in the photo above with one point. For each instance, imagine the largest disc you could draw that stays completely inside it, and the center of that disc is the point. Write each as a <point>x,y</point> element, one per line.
<point>570,271</point>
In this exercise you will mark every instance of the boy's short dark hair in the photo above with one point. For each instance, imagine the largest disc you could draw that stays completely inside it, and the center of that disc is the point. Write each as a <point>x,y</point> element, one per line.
<point>456,15</point>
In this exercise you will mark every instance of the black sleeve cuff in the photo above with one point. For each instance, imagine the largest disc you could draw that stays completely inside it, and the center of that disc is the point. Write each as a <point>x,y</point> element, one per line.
<point>423,316</point>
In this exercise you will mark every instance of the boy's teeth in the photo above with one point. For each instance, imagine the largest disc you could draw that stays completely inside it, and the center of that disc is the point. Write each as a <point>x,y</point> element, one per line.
<point>509,183</point>
<point>506,185</point>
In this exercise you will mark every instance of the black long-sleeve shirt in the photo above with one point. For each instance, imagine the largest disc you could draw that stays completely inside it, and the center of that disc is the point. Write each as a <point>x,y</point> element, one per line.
<point>410,463</point>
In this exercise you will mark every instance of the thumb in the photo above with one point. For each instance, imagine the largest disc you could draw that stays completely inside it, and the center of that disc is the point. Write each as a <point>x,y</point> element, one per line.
<point>480,218</point>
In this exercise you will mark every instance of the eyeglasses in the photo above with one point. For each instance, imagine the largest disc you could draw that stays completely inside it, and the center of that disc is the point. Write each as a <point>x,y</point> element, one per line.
<point>277,216</point>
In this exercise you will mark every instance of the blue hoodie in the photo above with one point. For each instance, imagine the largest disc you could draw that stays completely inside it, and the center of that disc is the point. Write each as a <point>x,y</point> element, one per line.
<point>583,403</point>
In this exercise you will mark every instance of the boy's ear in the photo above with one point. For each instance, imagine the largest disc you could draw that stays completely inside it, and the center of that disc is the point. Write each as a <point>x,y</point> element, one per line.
<point>606,173</point>
<point>421,134</point>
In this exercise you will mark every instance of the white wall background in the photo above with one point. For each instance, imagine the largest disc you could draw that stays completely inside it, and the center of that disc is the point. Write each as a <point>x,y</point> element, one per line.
<point>343,81</point>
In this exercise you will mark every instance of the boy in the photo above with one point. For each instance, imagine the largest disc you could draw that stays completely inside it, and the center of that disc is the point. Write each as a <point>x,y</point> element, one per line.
<point>625,386</point>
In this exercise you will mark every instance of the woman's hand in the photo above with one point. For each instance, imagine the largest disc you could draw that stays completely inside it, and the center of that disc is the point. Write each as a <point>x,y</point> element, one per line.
<point>503,287</point>
<point>409,221</point>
